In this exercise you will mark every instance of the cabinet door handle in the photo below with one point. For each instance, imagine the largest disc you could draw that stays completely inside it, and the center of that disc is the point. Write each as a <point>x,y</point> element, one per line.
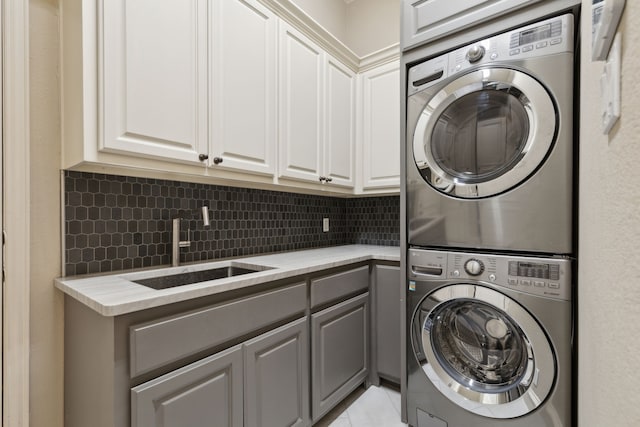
<point>322,178</point>
<point>203,157</point>
<point>329,179</point>
<point>217,160</point>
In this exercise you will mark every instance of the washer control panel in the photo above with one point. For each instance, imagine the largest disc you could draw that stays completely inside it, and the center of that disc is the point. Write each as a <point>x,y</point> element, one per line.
<point>548,37</point>
<point>548,277</point>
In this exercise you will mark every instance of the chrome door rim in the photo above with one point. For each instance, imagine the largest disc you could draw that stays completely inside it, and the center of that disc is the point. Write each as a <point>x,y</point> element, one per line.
<point>541,113</point>
<point>534,386</point>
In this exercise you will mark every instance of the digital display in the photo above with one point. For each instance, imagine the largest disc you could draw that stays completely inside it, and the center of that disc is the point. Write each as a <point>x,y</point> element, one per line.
<point>535,34</point>
<point>534,270</point>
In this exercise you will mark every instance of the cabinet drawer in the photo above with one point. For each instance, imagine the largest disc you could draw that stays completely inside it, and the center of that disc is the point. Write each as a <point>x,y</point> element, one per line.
<point>160,342</point>
<point>339,285</point>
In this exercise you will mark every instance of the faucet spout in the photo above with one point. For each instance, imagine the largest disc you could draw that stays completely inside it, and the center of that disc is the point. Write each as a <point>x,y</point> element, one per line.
<point>176,243</point>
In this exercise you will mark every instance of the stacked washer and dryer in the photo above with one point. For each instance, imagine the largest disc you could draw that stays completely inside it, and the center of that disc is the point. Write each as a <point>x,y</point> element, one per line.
<point>488,198</point>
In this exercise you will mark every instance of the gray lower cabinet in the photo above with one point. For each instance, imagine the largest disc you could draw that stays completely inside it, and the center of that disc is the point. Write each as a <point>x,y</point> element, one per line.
<point>204,393</point>
<point>263,382</point>
<point>386,282</point>
<point>340,352</point>
<point>283,355</point>
<point>277,377</point>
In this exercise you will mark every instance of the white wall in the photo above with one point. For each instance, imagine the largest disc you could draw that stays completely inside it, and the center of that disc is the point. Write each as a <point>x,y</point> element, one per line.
<point>372,25</point>
<point>331,14</point>
<point>47,339</point>
<point>609,280</point>
<point>365,26</point>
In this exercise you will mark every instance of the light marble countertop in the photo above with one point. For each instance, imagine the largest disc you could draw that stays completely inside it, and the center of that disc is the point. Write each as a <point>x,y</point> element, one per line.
<point>113,294</point>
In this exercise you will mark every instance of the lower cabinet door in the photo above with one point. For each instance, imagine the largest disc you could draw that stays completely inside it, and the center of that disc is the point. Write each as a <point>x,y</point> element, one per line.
<point>339,352</point>
<point>203,394</point>
<point>387,314</point>
<point>277,377</point>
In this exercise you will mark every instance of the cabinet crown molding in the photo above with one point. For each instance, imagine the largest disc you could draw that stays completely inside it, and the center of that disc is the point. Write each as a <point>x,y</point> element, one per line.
<point>292,14</point>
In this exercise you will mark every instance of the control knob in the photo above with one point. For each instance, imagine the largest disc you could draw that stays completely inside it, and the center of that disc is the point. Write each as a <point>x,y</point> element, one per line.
<point>474,267</point>
<point>475,53</point>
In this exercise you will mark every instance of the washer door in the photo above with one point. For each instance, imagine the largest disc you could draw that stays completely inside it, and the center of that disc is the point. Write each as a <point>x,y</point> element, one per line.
<point>484,133</point>
<point>483,351</point>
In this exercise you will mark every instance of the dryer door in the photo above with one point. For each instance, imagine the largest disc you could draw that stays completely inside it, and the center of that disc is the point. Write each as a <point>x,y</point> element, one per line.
<point>483,351</point>
<point>484,133</point>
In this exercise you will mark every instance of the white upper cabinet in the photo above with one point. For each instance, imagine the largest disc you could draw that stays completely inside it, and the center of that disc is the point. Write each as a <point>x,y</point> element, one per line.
<point>381,127</point>
<point>317,109</point>
<point>301,105</point>
<point>224,91</point>
<point>339,135</point>
<point>243,94</point>
<point>425,21</point>
<point>153,78</point>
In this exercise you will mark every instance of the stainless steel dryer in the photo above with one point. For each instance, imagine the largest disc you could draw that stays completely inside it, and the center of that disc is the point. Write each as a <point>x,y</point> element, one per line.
<point>490,143</point>
<point>490,340</point>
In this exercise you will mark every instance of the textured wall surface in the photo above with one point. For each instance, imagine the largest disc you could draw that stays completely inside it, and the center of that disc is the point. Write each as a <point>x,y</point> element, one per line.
<point>118,223</point>
<point>609,281</point>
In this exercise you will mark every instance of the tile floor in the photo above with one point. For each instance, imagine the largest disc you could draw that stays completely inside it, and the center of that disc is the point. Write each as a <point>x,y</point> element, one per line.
<point>373,407</point>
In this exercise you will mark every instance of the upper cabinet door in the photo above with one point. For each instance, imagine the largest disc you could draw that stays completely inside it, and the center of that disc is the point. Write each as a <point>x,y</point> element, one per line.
<point>243,94</point>
<point>425,21</point>
<point>381,127</point>
<point>301,106</point>
<point>339,124</point>
<point>153,85</point>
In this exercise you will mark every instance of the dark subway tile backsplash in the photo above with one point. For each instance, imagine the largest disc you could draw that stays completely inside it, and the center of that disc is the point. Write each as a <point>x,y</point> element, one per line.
<point>118,223</point>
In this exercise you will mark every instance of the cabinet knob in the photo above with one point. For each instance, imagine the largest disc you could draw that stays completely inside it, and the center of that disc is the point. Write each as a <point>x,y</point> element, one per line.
<point>203,157</point>
<point>322,178</point>
<point>329,179</point>
<point>217,160</point>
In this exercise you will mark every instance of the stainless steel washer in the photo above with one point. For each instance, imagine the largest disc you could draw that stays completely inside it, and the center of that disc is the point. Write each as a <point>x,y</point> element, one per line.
<point>489,340</point>
<point>490,143</point>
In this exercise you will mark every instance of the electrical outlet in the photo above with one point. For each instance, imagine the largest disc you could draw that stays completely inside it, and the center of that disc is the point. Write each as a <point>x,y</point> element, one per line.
<point>325,225</point>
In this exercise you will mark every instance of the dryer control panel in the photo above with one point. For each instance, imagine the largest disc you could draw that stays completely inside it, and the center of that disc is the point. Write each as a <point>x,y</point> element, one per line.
<point>547,277</point>
<point>548,37</point>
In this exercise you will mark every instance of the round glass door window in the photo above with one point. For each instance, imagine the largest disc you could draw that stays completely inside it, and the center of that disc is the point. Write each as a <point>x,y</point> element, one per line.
<point>484,133</point>
<point>483,351</point>
<point>479,345</point>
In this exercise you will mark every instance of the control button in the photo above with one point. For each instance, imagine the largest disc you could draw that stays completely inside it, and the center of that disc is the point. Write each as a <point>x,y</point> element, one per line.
<point>474,267</point>
<point>527,48</point>
<point>538,284</point>
<point>512,281</point>
<point>554,285</point>
<point>494,55</point>
<point>555,41</point>
<point>475,53</point>
<point>525,282</point>
<point>455,273</point>
<point>541,45</point>
<point>492,277</point>
<point>514,52</point>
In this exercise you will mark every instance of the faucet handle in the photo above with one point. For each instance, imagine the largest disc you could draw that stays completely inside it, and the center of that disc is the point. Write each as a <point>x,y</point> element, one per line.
<point>186,243</point>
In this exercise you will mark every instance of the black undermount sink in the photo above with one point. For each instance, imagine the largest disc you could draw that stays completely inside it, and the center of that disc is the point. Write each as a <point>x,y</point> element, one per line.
<point>163,282</point>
